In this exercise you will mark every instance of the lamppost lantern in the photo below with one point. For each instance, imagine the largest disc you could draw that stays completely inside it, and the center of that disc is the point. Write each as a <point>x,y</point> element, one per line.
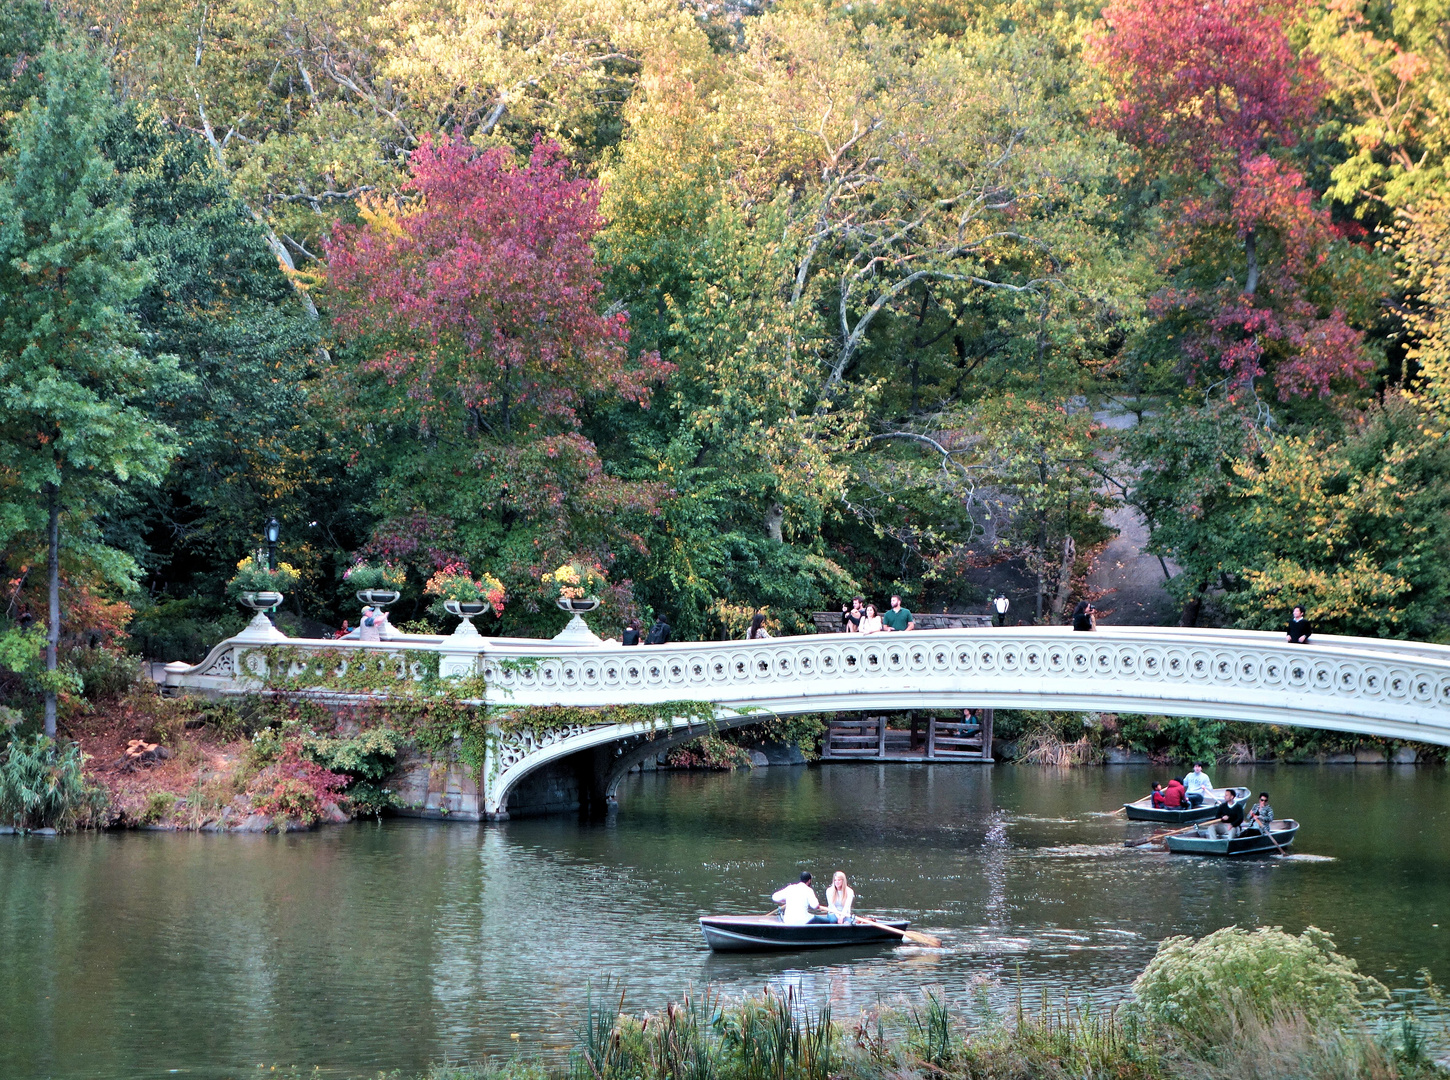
<point>1001,604</point>
<point>274,530</point>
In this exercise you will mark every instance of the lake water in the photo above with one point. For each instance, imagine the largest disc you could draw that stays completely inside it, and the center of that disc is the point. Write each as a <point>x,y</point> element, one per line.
<point>372,946</point>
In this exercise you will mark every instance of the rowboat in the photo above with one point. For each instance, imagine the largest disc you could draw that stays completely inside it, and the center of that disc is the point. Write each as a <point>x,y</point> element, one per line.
<point>1144,810</point>
<point>763,933</point>
<point>1216,839</point>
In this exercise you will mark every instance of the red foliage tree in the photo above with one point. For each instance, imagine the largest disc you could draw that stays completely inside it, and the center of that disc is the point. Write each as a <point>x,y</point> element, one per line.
<point>1210,93</point>
<point>472,304</point>
<point>484,292</point>
<point>1204,85</point>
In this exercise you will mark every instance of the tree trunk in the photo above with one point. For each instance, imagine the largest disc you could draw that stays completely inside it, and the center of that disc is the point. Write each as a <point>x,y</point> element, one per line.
<point>1192,607</point>
<point>774,520</point>
<point>1064,579</point>
<point>1251,255</point>
<point>52,627</point>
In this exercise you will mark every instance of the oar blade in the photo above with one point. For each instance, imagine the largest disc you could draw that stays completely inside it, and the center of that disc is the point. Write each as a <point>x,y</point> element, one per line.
<point>921,939</point>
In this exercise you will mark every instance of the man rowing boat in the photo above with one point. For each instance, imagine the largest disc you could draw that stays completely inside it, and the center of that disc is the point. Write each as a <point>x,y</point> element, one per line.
<point>798,901</point>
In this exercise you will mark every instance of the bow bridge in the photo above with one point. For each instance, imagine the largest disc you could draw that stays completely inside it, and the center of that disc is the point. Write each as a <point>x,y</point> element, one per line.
<point>1392,689</point>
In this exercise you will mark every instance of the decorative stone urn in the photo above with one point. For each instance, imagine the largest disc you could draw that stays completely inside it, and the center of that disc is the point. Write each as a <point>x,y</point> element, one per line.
<point>465,610</point>
<point>577,632</point>
<point>378,598</point>
<point>261,603</point>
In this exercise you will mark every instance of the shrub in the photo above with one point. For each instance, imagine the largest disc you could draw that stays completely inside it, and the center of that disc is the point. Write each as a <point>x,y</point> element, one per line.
<point>379,575</point>
<point>1199,987</point>
<point>159,805</point>
<point>104,673</point>
<point>366,759</point>
<point>292,786</point>
<point>42,786</point>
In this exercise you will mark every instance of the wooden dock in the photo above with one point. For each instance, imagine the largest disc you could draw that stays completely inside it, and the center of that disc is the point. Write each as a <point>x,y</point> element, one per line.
<point>869,738</point>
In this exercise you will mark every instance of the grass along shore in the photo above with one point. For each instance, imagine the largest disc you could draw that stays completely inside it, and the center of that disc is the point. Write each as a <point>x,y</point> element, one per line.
<point>1234,1005</point>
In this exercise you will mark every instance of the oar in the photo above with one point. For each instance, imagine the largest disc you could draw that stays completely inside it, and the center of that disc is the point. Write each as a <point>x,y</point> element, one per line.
<point>1159,836</point>
<point>906,935</point>
<point>1270,835</point>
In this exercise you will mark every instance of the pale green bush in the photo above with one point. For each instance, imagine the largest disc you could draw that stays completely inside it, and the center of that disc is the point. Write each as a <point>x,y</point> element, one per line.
<point>1199,987</point>
<point>42,785</point>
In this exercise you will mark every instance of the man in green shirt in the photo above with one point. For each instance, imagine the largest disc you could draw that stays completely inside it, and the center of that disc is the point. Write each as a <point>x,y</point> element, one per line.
<point>898,618</point>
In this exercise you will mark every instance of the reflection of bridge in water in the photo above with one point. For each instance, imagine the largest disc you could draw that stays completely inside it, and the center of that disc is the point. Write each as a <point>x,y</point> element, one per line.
<point>1391,689</point>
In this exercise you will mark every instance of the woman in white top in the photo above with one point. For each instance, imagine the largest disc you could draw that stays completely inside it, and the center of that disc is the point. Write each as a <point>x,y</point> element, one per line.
<point>757,629</point>
<point>870,622</point>
<point>839,898</point>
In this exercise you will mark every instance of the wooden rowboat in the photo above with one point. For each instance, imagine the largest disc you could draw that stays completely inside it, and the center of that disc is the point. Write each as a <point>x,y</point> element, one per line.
<point>764,933</point>
<point>1215,839</point>
<point>1144,810</point>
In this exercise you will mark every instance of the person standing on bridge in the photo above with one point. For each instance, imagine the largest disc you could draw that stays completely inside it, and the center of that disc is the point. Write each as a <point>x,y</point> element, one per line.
<point>799,901</point>
<point>659,633</point>
<point>897,617</point>
<point>1197,785</point>
<point>1299,628</point>
<point>757,631</point>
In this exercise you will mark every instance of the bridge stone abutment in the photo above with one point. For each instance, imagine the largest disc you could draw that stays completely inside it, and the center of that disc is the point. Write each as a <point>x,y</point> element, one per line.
<point>1392,689</point>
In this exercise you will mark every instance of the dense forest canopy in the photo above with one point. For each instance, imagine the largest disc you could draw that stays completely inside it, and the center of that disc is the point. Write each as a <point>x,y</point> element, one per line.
<point>756,305</point>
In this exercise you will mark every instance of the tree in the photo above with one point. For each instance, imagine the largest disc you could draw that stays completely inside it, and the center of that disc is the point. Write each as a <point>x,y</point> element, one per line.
<point>70,433</point>
<point>1183,459</point>
<point>474,316</point>
<point>1388,72</point>
<point>1214,95</point>
<point>252,416</point>
<point>1357,531</point>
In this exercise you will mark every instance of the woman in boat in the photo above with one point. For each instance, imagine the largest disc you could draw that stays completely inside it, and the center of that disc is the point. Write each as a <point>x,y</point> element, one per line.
<point>839,898</point>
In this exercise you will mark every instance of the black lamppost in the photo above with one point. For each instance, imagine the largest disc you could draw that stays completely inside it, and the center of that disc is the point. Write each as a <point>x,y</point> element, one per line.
<point>1001,604</point>
<point>274,530</point>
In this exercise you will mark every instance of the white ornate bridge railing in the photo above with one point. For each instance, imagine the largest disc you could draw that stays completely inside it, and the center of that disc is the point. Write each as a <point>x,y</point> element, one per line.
<point>1394,689</point>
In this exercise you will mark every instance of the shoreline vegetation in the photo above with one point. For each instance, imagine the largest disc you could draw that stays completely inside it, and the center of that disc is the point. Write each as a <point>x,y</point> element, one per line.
<point>130,758</point>
<point>1234,1005</point>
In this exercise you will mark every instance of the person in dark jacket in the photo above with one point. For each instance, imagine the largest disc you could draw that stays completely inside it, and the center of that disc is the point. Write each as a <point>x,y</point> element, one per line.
<point>1085,617</point>
<point>659,633</point>
<point>632,631</point>
<point>1299,628</point>
<point>1233,813</point>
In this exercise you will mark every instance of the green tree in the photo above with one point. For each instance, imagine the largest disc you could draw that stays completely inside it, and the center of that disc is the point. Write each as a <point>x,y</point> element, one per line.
<point>1182,459</point>
<point>71,434</point>
<point>1357,531</point>
<point>252,414</point>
